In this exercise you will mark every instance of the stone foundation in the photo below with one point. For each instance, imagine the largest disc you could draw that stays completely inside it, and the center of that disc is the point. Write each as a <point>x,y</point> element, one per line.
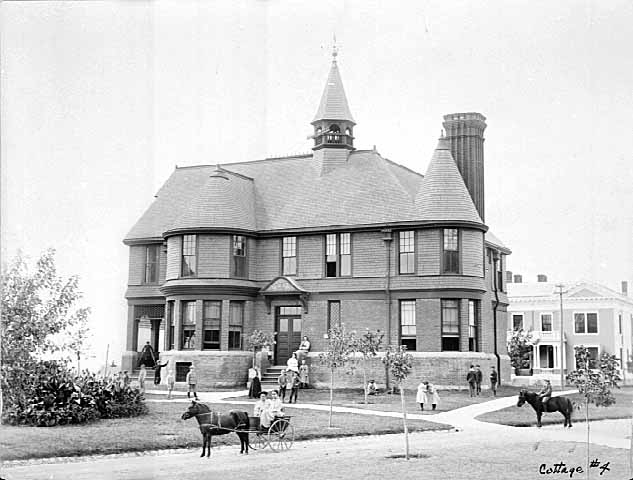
<point>214,368</point>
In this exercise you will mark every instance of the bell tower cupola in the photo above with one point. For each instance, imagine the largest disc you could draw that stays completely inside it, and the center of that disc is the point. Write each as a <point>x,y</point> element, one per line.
<point>333,123</point>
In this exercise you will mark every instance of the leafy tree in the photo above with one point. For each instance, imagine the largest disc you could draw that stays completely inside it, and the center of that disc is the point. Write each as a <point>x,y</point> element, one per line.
<point>259,340</point>
<point>38,307</point>
<point>367,345</point>
<point>400,364</point>
<point>594,384</point>
<point>520,348</point>
<point>339,347</point>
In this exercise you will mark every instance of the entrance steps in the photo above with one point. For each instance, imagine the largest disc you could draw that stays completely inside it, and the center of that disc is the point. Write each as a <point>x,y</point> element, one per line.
<point>269,377</point>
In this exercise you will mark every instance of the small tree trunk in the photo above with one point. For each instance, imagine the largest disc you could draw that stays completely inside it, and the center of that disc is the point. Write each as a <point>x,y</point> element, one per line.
<point>331,396</point>
<point>365,379</point>
<point>587,421</point>
<point>404,419</point>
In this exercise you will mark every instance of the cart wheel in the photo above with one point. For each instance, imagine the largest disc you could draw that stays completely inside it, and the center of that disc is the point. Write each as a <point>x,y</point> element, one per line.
<point>260,441</point>
<point>281,435</point>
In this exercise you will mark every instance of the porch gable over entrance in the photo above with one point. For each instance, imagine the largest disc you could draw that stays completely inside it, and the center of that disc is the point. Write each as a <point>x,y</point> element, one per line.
<point>284,287</point>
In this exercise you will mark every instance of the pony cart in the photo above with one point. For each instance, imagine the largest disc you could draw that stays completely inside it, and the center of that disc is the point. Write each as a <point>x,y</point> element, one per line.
<point>278,437</point>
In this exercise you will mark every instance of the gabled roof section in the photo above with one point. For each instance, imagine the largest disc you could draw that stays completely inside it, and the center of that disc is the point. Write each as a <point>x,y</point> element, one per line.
<point>333,104</point>
<point>579,291</point>
<point>226,200</point>
<point>282,286</point>
<point>443,195</point>
<point>494,241</point>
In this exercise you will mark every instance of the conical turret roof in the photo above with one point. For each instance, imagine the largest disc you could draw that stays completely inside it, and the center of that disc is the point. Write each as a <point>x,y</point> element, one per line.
<point>226,200</point>
<point>334,102</point>
<point>443,196</point>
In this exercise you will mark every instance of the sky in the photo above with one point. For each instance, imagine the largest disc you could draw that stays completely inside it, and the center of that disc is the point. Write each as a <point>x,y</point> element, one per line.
<point>101,100</point>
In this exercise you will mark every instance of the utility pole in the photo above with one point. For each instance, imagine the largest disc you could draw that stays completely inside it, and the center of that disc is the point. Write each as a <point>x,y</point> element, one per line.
<point>105,370</point>
<point>562,331</point>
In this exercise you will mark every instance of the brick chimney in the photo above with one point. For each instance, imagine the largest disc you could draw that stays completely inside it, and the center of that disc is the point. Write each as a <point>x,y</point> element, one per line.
<point>518,279</point>
<point>465,133</point>
<point>541,278</point>
<point>508,276</point>
<point>625,288</point>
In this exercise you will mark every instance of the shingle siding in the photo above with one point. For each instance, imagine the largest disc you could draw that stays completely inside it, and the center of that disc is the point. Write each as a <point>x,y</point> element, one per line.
<point>268,259</point>
<point>174,251</point>
<point>429,248</point>
<point>472,248</point>
<point>368,255</point>
<point>310,251</point>
<point>214,256</point>
<point>137,265</point>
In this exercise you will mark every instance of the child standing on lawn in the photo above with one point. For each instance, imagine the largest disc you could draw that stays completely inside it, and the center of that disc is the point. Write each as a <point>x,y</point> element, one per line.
<point>170,383</point>
<point>192,380</point>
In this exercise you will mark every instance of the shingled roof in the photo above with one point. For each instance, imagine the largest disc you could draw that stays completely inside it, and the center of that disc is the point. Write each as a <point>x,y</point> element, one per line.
<point>443,196</point>
<point>333,104</point>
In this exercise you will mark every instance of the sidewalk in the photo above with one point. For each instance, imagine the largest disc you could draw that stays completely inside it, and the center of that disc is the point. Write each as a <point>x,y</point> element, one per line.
<point>610,433</point>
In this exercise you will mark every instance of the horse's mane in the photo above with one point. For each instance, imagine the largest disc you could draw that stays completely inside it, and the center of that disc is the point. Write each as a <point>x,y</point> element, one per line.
<point>203,408</point>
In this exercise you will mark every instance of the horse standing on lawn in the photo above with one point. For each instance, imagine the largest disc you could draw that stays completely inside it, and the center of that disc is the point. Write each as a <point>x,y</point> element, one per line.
<point>554,404</point>
<point>215,423</point>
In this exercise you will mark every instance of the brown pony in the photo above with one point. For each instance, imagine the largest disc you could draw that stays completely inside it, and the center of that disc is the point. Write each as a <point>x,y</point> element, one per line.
<point>554,404</point>
<point>215,423</point>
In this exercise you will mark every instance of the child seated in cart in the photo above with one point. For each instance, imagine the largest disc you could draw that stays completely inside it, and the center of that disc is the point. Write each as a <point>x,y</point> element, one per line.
<point>268,409</point>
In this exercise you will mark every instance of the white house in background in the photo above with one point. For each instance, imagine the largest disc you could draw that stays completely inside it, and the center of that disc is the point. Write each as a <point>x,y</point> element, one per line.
<point>593,315</point>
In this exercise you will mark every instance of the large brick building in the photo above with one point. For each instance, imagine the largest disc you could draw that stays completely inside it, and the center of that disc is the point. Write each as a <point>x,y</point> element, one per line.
<point>294,245</point>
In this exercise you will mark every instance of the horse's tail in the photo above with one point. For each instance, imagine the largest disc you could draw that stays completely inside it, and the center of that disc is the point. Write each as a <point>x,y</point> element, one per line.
<point>240,419</point>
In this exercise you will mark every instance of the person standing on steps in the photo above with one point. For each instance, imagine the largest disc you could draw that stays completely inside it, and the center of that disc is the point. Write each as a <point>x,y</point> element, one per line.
<point>471,378</point>
<point>304,374</point>
<point>494,380</point>
<point>157,371</point>
<point>192,381</point>
<point>479,377</point>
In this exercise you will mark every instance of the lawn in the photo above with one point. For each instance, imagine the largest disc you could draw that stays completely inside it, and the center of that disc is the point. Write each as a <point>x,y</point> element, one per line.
<point>525,416</point>
<point>449,399</point>
<point>162,428</point>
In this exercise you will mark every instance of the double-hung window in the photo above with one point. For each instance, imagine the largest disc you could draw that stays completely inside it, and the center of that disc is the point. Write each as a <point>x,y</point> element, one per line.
<point>338,255</point>
<point>473,325</point>
<point>211,320</point>
<point>585,322</point>
<point>289,256</point>
<point>407,325</point>
<point>239,256</point>
<point>188,325</point>
<point>450,325</point>
<point>406,251</point>
<point>546,322</point>
<point>450,254</point>
<point>189,257</point>
<point>236,324</point>
<point>150,274</point>
<point>517,321</point>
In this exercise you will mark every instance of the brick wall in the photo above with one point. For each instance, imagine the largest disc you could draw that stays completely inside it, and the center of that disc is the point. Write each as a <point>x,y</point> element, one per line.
<point>215,369</point>
<point>446,370</point>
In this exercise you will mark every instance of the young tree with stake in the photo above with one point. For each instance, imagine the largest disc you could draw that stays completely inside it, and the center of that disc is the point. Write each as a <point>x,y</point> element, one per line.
<point>339,347</point>
<point>399,363</point>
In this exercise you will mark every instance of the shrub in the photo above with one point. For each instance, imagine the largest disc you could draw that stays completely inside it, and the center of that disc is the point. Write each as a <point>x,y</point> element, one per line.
<point>50,394</point>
